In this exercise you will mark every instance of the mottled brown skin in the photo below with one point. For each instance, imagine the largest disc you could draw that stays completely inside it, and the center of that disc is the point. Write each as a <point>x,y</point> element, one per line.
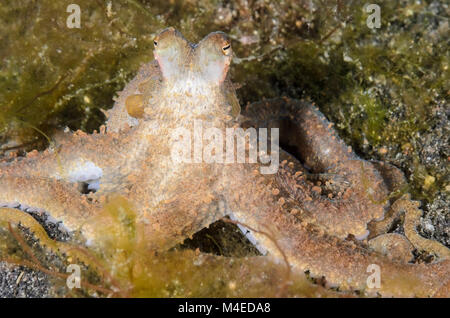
<point>311,225</point>
<point>365,195</point>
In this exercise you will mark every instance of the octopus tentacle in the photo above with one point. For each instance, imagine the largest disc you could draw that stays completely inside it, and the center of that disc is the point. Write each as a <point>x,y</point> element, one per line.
<point>304,129</point>
<point>412,220</point>
<point>13,216</point>
<point>339,216</point>
<point>361,192</point>
<point>342,263</point>
<point>62,201</point>
<point>98,158</point>
<point>235,269</point>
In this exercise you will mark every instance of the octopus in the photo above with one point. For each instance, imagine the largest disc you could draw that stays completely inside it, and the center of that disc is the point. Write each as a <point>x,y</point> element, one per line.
<point>318,206</point>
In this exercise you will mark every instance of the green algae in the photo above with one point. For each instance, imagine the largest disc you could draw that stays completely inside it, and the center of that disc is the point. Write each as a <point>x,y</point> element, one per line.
<point>54,76</point>
<point>381,87</point>
<point>122,266</point>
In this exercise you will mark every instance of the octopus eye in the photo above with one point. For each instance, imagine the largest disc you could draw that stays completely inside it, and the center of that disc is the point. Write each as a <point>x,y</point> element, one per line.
<point>226,49</point>
<point>155,43</point>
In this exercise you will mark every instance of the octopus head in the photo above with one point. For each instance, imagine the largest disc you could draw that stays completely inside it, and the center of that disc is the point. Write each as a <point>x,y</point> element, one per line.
<point>193,75</point>
<point>212,58</point>
<point>172,52</point>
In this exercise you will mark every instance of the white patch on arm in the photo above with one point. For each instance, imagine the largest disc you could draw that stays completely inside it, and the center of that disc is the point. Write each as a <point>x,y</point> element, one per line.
<point>87,172</point>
